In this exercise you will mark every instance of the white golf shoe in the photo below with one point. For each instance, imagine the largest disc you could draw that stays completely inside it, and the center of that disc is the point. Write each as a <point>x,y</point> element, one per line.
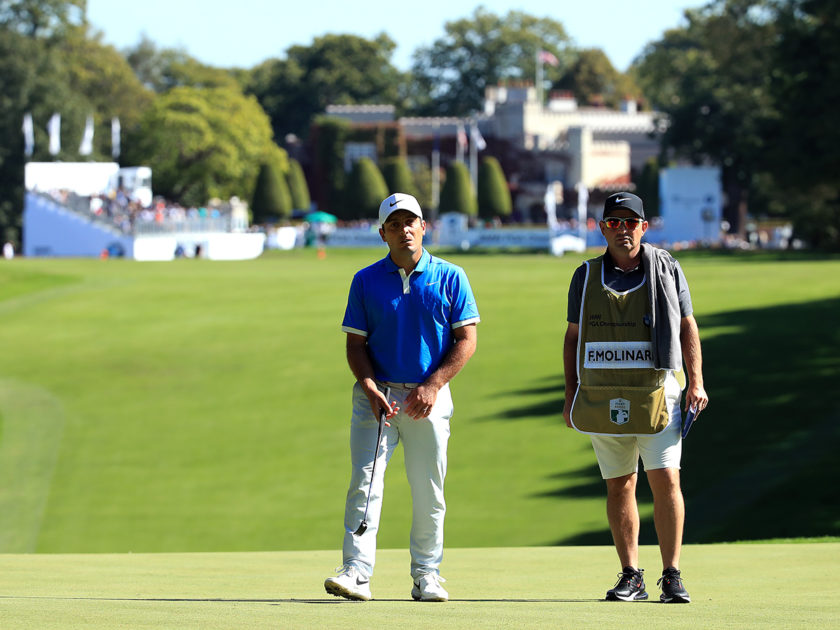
<point>349,583</point>
<point>428,589</point>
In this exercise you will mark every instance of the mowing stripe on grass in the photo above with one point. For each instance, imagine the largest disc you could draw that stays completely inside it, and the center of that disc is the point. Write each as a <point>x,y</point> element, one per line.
<point>33,423</point>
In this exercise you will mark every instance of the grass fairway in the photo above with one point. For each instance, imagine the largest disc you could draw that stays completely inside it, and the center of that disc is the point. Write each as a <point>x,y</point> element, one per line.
<point>732,586</point>
<point>201,406</point>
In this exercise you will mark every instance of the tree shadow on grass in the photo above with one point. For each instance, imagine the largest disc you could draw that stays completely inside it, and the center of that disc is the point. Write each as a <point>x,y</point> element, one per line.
<point>552,407</point>
<point>761,461</point>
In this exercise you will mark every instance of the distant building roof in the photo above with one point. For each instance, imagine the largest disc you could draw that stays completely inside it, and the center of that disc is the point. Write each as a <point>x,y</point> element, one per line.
<point>363,113</point>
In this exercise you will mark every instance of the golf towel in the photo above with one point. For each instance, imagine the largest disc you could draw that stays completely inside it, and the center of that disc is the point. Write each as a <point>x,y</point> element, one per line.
<point>665,308</point>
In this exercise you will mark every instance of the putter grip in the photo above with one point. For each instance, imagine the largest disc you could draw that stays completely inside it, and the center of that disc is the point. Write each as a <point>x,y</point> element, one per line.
<point>384,412</point>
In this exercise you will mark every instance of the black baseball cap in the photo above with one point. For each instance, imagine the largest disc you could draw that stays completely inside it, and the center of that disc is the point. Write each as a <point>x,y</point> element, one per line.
<point>625,200</point>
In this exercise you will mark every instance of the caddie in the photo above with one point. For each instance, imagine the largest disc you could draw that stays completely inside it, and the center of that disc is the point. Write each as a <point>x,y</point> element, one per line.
<point>630,342</point>
<point>411,326</point>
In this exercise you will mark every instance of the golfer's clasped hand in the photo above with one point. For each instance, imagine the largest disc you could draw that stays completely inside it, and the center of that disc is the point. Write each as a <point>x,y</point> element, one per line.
<point>419,403</point>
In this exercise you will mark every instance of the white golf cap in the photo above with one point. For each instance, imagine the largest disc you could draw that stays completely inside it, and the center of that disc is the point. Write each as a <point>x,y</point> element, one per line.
<point>398,201</point>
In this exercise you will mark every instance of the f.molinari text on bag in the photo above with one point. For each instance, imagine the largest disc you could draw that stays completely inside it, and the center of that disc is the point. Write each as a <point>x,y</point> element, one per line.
<point>618,355</point>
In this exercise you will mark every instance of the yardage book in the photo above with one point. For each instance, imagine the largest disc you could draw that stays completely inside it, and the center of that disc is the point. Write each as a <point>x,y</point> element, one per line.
<point>689,419</point>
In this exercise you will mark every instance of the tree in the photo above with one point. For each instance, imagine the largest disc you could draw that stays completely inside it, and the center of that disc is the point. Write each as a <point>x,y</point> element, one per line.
<point>710,78</point>
<point>297,186</point>
<point>748,85</point>
<point>365,190</point>
<point>806,83</point>
<point>34,69</point>
<point>204,143</point>
<point>334,69</point>
<point>271,199</point>
<point>493,192</point>
<point>398,176</point>
<point>41,18</point>
<point>109,86</point>
<point>450,76</point>
<point>593,80</point>
<point>161,69</point>
<point>457,195</point>
<point>647,186</point>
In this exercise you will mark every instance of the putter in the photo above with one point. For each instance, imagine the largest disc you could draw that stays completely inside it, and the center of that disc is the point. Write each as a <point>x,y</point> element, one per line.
<point>382,413</point>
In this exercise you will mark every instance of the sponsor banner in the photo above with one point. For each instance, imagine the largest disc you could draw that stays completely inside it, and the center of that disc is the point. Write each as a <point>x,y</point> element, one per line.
<point>465,239</point>
<point>355,237</point>
<point>618,355</point>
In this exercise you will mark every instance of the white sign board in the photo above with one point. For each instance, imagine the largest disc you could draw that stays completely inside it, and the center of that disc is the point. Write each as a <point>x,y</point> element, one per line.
<point>691,202</point>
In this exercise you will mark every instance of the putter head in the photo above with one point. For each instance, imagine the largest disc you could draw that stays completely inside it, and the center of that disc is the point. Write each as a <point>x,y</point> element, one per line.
<point>362,529</point>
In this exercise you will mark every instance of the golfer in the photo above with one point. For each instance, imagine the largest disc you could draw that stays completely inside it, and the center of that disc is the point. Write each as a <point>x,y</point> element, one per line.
<point>411,326</point>
<point>630,326</point>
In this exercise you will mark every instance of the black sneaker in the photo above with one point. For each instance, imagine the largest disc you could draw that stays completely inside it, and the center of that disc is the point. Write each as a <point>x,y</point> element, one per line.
<point>630,586</point>
<point>673,591</point>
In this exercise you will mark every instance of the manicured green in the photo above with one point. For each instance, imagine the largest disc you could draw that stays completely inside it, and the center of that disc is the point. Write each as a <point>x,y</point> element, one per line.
<point>201,406</point>
<point>732,586</point>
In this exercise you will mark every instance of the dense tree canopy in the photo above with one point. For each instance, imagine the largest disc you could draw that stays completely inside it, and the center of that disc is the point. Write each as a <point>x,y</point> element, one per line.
<point>203,143</point>
<point>366,188</point>
<point>749,85</point>
<point>593,80</point>
<point>493,193</point>
<point>41,18</point>
<point>334,69</point>
<point>457,194</point>
<point>484,49</point>
<point>161,69</point>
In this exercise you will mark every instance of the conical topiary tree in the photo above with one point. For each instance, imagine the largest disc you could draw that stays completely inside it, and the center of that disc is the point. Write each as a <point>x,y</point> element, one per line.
<point>297,186</point>
<point>493,192</point>
<point>271,199</point>
<point>365,190</point>
<point>457,195</point>
<point>398,176</point>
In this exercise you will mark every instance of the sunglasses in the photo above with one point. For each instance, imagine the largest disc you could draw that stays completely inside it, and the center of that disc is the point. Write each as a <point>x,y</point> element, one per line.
<point>614,223</point>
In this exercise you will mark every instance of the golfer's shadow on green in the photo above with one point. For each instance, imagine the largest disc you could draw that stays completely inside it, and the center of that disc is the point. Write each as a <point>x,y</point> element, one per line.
<point>486,600</point>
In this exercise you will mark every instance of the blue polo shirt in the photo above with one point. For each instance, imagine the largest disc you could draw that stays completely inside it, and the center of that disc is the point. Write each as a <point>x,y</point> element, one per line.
<point>408,320</point>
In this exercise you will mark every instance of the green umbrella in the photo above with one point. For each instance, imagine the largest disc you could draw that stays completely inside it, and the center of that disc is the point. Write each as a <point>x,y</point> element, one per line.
<point>321,217</point>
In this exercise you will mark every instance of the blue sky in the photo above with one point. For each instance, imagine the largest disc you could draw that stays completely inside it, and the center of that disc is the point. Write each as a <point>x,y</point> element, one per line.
<point>245,32</point>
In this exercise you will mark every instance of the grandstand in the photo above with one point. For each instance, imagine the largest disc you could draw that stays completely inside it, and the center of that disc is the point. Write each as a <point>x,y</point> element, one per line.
<point>79,220</point>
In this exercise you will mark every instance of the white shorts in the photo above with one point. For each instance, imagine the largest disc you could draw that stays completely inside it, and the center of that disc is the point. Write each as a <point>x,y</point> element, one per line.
<point>619,455</point>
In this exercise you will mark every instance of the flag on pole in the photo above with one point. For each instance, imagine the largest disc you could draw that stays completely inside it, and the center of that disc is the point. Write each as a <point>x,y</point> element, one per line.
<point>461,142</point>
<point>550,201</point>
<point>86,146</point>
<point>462,137</point>
<point>477,138</point>
<point>28,135</point>
<point>115,138</point>
<point>54,129</point>
<point>546,57</point>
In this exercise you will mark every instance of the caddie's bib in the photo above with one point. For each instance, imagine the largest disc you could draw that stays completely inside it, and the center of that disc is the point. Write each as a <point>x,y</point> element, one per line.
<point>619,391</point>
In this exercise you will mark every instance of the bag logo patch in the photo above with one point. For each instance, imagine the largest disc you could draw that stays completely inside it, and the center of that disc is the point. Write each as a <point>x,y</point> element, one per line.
<point>619,411</point>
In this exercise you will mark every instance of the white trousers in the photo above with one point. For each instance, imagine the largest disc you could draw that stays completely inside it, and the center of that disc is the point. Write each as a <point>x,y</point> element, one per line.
<point>424,447</point>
